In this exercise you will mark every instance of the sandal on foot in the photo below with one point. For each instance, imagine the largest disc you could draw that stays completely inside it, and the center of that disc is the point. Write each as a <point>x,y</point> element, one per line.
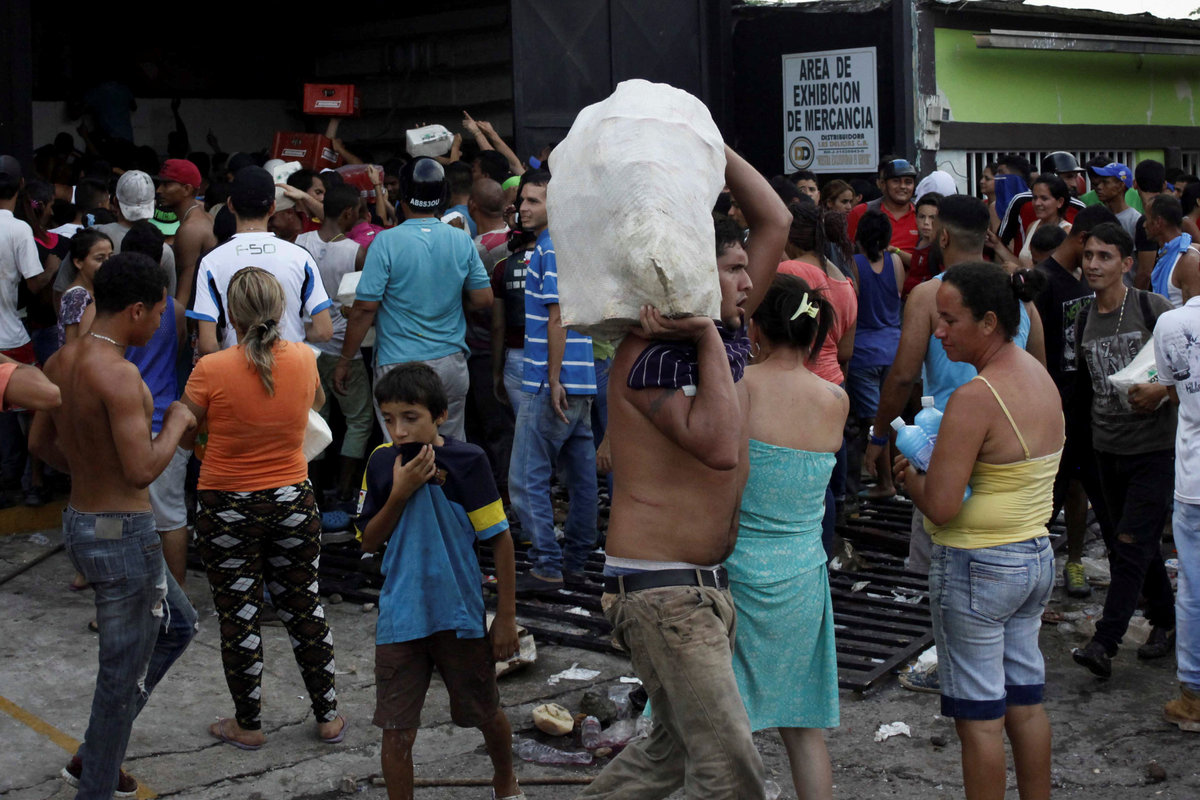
<point>217,731</point>
<point>518,796</point>
<point>341,734</point>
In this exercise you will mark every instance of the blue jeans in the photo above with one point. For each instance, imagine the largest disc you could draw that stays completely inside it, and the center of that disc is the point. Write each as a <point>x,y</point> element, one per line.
<point>1187,594</point>
<point>541,441</point>
<point>986,606</point>
<point>514,371</point>
<point>145,623</point>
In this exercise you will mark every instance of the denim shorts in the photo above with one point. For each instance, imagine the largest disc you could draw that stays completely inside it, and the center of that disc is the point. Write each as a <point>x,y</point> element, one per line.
<point>863,385</point>
<point>987,608</point>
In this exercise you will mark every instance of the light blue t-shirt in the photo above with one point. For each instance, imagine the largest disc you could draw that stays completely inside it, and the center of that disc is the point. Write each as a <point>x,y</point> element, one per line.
<point>942,376</point>
<point>578,373</point>
<point>417,272</point>
<point>431,574</point>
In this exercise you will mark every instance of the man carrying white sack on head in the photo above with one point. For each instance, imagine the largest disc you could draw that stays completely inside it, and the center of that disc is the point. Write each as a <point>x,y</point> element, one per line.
<point>679,438</point>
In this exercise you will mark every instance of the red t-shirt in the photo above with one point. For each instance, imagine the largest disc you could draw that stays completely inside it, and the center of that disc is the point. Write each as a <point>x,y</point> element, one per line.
<point>918,270</point>
<point>904,228</point>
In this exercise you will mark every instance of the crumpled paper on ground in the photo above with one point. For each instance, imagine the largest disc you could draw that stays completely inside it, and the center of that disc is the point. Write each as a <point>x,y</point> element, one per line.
<point>886,732</point>
<point>630,209</point>
<point>574,673</point>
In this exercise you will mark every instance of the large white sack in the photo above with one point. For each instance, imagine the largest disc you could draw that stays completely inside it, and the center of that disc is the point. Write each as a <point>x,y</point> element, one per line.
<point>630,209</point>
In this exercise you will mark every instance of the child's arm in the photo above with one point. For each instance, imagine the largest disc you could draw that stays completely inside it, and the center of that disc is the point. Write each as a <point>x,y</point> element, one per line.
<point>406,479</point>
<point>504,626</point>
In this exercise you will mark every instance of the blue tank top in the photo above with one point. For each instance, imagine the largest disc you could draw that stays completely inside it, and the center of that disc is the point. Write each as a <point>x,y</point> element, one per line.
<point>942,376</point>
<point>156,361</point>
<point>878,332</point>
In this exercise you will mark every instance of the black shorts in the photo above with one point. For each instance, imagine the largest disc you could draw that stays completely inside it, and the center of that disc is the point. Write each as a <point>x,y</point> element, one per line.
<point>403,671</point>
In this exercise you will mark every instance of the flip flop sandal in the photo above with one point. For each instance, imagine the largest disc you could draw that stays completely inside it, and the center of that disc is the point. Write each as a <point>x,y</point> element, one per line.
<point>217,731</point>
<point>340,734</point>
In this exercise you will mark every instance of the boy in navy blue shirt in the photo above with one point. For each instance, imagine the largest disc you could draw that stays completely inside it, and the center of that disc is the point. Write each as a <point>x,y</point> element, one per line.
<point>430,505</point>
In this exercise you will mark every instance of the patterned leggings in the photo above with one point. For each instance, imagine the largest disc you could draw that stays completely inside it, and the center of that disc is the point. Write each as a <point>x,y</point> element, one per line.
<point>274,534</point>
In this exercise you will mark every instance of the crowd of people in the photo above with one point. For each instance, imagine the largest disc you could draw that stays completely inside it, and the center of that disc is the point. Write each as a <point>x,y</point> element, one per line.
<point>190,317</point>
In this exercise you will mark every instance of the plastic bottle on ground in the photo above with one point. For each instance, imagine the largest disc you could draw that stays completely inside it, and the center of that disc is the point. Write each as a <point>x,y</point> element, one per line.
<point>539,753</point>
<point>589,733</point>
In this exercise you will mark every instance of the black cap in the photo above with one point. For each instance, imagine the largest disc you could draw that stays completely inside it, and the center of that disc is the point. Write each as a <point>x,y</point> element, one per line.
<point>10,172</point>
<point>423,184</point>
<point>899,168</point>
<point>239,161</point>
<point>1059,162</point>
<point>252,191</point>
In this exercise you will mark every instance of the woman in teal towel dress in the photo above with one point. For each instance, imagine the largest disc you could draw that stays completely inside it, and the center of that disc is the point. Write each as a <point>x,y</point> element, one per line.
<point>784,655</point>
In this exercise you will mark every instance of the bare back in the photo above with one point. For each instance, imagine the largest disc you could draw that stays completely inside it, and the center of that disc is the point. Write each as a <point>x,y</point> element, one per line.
<point>97,383</point>
<point>791,407</point>
<point>667,505</point>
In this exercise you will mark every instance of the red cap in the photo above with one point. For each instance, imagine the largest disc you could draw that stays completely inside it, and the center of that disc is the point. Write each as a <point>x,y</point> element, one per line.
<point>180,170</point>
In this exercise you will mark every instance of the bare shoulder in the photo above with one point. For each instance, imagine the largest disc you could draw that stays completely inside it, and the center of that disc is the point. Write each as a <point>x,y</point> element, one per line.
<point>924,293</point>
<point>115,379</point>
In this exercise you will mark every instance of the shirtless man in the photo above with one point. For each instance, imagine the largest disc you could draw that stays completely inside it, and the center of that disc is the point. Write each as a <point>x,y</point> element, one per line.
<point>101,436</point>
<point>680,460</point>
<point>179,180</point>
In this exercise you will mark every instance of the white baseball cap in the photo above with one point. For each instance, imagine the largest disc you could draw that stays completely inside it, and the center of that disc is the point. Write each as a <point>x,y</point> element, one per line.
<point>135,195</point>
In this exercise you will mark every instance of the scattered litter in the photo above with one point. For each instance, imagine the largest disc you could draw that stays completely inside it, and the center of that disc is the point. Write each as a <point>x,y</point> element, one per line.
<point>886,732</point>
<point>926,660</point>
<point>368,607</point>
<point>1172,565</point>
<point>351,671</point>
<point>1096,570</point>
<point>771,790</point>
<point>900,597</point>
<point>836,563</point>
<point>859,586</point>
<point>629,679</point>
<point>575,673</point>
<point>38,538</point>
<point>578,611</point>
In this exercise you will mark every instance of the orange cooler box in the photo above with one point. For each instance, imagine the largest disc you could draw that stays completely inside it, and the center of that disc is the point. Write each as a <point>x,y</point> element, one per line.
<point>331,100</point>
<point>312,150</point>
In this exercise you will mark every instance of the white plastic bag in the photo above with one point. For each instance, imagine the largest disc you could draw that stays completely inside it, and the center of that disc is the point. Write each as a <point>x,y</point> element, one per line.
<point>1141,370</point>
<point>630,209</point>
<point>346,292</point>
<point>317,435</point>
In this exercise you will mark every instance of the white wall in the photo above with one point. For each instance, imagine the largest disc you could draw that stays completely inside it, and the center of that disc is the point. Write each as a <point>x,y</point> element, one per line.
<point>238,124</point>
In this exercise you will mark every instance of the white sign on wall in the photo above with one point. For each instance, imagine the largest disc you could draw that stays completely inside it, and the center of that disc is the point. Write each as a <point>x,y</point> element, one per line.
<point>830,111</point>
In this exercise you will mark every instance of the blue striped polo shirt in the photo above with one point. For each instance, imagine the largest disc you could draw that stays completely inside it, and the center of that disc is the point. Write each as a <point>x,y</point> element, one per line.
<point>578,374</point>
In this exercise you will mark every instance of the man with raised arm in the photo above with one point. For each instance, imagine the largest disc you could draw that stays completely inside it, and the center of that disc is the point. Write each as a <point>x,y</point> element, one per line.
<point>101,436</point>
<point>680,461</point>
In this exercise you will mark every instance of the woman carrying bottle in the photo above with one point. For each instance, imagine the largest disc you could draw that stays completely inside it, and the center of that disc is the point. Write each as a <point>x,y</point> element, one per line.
<point>992,567</point>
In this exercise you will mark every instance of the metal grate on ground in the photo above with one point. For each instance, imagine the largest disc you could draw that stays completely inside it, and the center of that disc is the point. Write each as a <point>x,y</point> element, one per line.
<point>881,612</point>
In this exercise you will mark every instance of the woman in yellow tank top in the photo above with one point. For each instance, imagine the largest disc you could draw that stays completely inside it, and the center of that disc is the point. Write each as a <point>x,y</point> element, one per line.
<point>992,568</point>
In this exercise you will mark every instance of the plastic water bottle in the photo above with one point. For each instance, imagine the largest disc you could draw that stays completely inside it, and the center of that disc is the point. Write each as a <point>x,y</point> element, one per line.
<point>529,750</point>
<point>589,733</point>
<point>929,419</point>
<point>913,443</point>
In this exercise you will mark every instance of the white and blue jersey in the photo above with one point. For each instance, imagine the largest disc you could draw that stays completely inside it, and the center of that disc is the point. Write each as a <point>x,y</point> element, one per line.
<point>292,266</point>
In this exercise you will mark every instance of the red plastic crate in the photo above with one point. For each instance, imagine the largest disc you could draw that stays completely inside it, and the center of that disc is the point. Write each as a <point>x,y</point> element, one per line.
<point>312,150</point>
<point>331,100</point>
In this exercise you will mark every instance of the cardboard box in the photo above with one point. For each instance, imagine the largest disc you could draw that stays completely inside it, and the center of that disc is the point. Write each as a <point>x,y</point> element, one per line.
<point>331,100</point>
<point>312,150</point>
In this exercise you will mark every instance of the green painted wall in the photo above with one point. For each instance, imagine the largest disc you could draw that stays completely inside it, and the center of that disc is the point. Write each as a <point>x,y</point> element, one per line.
<point>985,85</point>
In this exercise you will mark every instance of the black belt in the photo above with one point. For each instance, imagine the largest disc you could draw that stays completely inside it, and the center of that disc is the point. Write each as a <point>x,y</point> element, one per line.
<point>656,579</point>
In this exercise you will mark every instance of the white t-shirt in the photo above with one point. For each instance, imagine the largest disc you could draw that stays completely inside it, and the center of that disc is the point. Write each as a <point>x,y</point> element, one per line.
<point>1177,354</point>
<point>334,259</point>
<point>292,266</point>
<point>18,261</point>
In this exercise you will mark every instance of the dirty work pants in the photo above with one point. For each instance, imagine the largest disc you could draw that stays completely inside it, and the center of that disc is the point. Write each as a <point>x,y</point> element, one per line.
<point>145,623</point>
<point>1139,489</point>
<point>680,639</point>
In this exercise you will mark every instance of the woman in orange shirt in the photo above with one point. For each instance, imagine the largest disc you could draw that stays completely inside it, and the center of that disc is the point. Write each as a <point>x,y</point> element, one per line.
<point>258,520</point>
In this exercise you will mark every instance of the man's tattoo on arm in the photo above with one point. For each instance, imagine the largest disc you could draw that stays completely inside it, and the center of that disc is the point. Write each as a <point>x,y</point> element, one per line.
<point>659,401</point>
